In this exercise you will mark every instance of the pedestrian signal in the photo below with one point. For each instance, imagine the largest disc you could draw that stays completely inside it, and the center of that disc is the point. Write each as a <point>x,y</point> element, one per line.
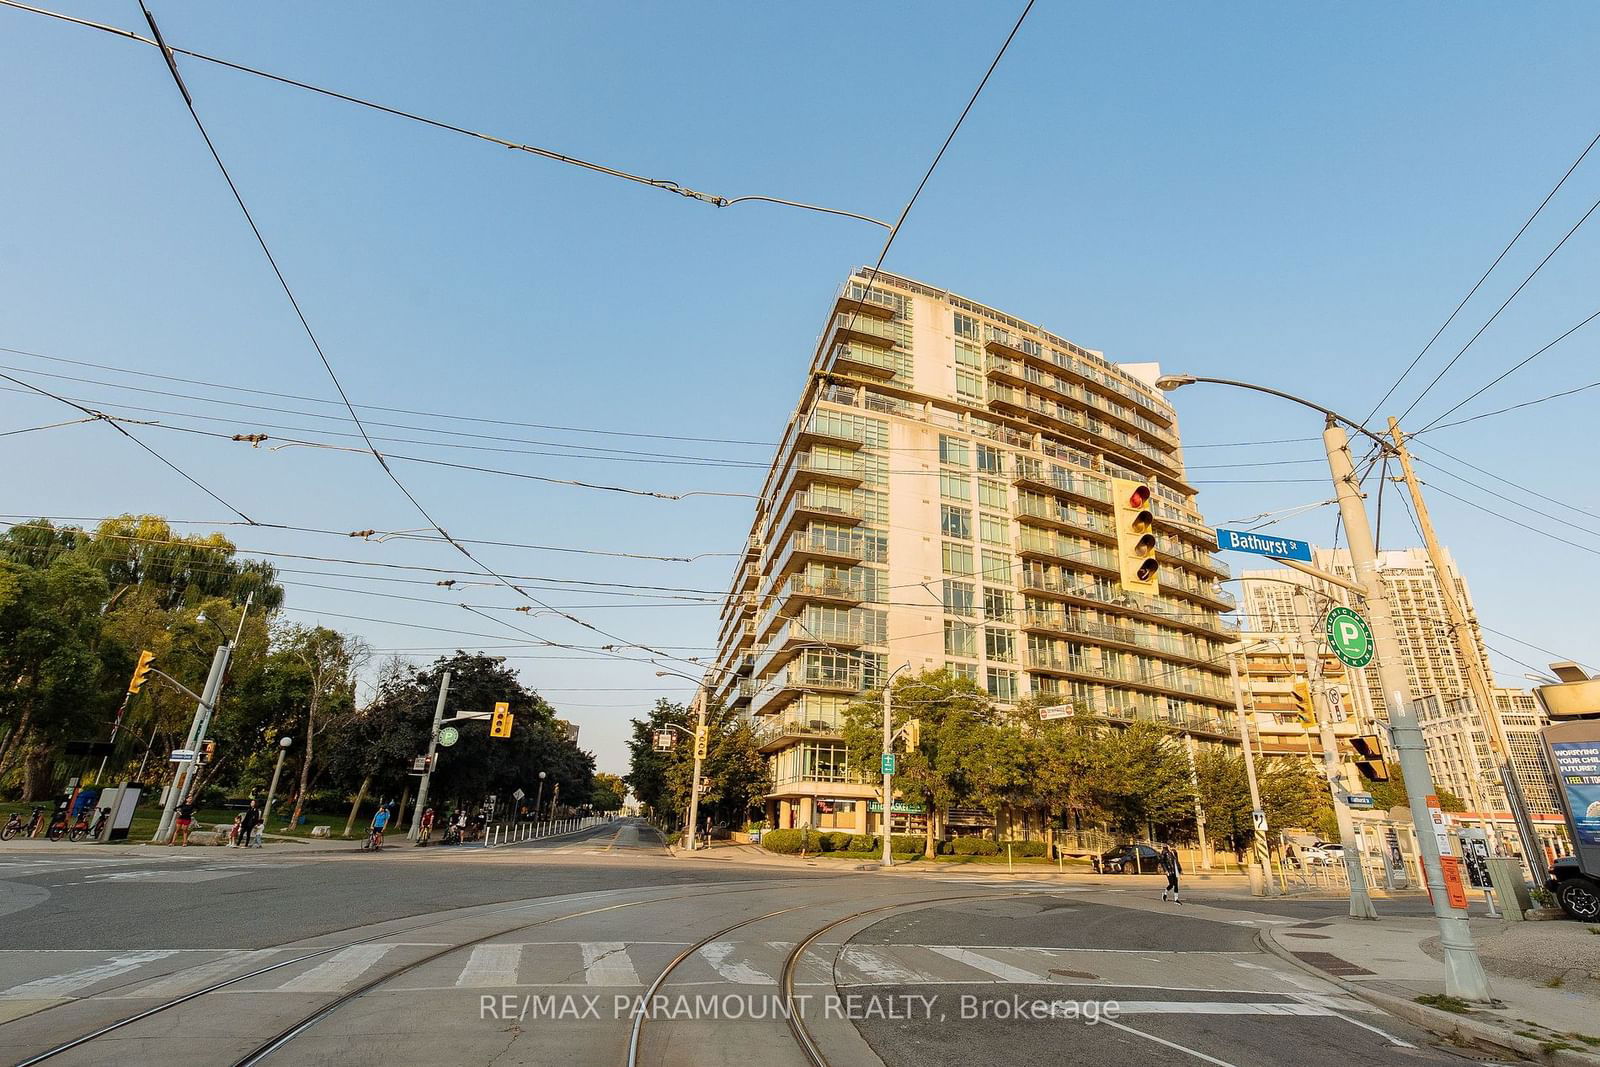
<point>500,721</point>
<point>141,670</point>
<point>1369,757</point>
<point>208,751</point>
<point>1136,536</point>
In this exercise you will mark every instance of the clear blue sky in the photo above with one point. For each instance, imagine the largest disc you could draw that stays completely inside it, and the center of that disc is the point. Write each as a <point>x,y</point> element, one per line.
<point>1296,196</point>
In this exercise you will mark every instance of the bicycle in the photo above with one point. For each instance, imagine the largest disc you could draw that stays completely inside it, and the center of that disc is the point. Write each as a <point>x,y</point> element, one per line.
<point>374,841</point>
<point>14,825</point>
<point>82,829</point>
<point>58,829</point>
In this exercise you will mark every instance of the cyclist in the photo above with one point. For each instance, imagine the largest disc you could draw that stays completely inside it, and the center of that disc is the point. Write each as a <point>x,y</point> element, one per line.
<point>425,827</point>
<point>379,821</point>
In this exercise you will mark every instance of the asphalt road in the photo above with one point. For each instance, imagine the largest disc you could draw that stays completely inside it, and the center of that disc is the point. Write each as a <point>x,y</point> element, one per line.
<point>540,953</point>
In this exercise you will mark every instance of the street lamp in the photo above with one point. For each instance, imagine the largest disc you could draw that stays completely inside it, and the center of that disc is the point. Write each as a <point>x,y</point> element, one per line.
<point>284,744</point>
<point>538,799</point>
<point>1464,975</point>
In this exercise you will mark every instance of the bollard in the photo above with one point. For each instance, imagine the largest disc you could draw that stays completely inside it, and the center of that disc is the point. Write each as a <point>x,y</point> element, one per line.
<point>1009,868</point>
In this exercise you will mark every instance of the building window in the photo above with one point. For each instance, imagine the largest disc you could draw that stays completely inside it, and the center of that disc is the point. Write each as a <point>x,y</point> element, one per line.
<point>969,671</point>
<point>999,644</point>
<point>957,559</point>
<point>991,460</point>
<point>954,451</point>
<point>997,567</point>
<point>992,494</point>
<point>954,486</point>
<point>995,529</point>
<point>955,522</point>
<point>968,356</point>
<point>997,605</point>
<point>966,326</point>
<point>960,638</point>
<point>958,598</point>
<point>1002,684</point>
<point>969,386</point>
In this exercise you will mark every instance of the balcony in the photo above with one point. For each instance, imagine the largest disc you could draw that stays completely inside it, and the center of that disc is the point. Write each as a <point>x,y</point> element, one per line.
<point>868,331</point>
<point>1057,663</point>
<point>1040,476</point>
<point>802,589</point>
<point>1006,369</point>
<point>799,633</point>
<point>786,685</point>
<point>871,303</point>
<point>809,504</point>
<point>809,466</point>
<point>1111,596</point>
<point>1038,545</point>
<point>1173,552</point>
<point>809,544</point>
<point>854,358</point>
<point>822,430</point>
<point>1052,514</point>
<point>778,731</point>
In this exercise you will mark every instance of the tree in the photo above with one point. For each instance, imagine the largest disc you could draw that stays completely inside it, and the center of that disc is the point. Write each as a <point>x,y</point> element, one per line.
<point>329,661</point>
<point>736,772</point>
<point>1393,794</point>
<point>944,768</point>
<point>1144,783</point>
<point>610,792</point>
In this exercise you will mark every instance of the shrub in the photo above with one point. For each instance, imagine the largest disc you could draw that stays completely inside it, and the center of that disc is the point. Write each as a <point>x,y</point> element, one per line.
<point>1024,849</point>
<point>835,842</point>
<point>944,848</point>
<point>673,839</point>
<point>975,846</point>
<point>863,843</point>
<point>788,842</point>
<point>904,843</point>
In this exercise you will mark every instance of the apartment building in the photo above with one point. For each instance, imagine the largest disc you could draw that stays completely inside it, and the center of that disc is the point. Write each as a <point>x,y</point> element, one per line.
<point>1461,759</point>
<point>946,495</point>
<point>1274,670</point>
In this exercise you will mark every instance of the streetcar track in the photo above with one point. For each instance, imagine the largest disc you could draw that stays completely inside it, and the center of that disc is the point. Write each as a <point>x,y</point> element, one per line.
<point>260,1053</point>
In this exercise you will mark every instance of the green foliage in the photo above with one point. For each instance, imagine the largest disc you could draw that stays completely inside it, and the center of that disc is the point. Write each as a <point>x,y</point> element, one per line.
<point>737,772</point>
<point>905,844</point>
<point>835,842</point>
<point>974,846</point>
<point>610,792</point>
<point>1143,783</point>
<point>1393,793</point>
<point>1025,849</point>
<point>789,842</point>
<point>1293,794</point>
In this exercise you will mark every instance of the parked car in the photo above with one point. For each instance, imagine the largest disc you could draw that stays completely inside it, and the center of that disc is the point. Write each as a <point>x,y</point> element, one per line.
<point>1576,892</point>
<point>1323,853</point>
<point>1129,859</point>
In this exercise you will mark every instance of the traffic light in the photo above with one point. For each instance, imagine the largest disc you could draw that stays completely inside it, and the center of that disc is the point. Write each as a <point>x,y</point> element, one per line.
<point>701,735</point>
<point>913,734</point>
<point>1304,710</point>
<point>1136,536</point>
<point>500,721</point>
<point>1370,761</point>
<point>141,670</point>
<point>208,751</point>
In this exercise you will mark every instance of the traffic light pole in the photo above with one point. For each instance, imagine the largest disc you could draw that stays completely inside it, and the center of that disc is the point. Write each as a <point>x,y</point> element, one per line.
<point>1466,642</point>
<point>202,712</point>
<point>433,750</point>
<point>1354,866</point>
<point>1464,975</point>
<point>1258,816</point>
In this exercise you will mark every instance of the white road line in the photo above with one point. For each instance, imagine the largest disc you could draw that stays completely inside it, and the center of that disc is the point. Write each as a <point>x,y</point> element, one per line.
<point>989,965</point>
<point>1163,1041</point>
<point>491,965</point>
<point>338,971</point>
<point>878,968</point>
<point>1219,1007</point>
<point>61,985</point>
<point>607,963</point>
<point>717,954</point>
<point>195,977</point>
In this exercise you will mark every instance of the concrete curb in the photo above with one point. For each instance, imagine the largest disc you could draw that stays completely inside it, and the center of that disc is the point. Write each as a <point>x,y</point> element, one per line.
<point>1459,1029</point>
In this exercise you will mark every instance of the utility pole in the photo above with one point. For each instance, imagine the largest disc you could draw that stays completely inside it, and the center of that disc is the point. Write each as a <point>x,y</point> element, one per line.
<point>888,776</point>
<point>433,755</point>
<point>1478,679</point>
<point>272,790</point>
<point>181,778</point>
<point>1464,975</point>
<point>1189,747</point>
<point>700,742</point>
<point>1262,861</point>
<point>1354,866</point>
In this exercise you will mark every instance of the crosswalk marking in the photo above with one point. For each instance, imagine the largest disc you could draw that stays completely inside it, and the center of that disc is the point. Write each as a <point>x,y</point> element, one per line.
<point>879,969</point>
<point>194,977</point>
<point>988,964</point>
<point>337,971</point>
<point>607,963</point>
<point>719,954</point>
<point>61,985</point>
<point>491,965</point>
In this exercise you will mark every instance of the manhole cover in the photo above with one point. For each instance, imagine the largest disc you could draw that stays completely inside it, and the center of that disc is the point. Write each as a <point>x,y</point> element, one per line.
<point>1327,961</point>
<point>1075,974</point>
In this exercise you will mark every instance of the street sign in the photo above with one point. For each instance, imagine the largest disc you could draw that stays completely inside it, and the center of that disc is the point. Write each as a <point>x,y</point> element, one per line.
<point>448,735</point>
<point>1359,800</point>
<point>182,755</point>
<point>1276,547</point>
<point>1350,637</point>
<point>419,765</point>
<point>1258,818</point>
<point>664,741</point>
<point>517,794</point>
<point>887,763</point>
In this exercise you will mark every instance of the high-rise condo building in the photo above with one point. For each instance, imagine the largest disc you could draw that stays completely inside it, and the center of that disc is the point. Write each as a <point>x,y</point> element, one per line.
<point>960,489</point>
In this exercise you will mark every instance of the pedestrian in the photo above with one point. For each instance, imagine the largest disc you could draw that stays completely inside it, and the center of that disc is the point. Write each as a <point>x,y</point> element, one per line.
<point>1289,857</point>
<point>1170,864</point>
<point>248,821</point>
<point>425,827</point>
<point>236,834</point>
<point>185,820</point>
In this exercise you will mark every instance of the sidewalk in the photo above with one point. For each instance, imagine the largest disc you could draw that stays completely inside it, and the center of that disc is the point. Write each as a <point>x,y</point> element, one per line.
<point>1543,974</point>
<point>148,850</point>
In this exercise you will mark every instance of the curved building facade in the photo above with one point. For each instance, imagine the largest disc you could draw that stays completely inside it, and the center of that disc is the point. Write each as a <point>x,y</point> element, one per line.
<point>960,489</point>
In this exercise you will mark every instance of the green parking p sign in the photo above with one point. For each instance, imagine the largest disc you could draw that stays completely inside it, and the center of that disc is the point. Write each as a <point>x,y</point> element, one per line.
<point>1350,637</point>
